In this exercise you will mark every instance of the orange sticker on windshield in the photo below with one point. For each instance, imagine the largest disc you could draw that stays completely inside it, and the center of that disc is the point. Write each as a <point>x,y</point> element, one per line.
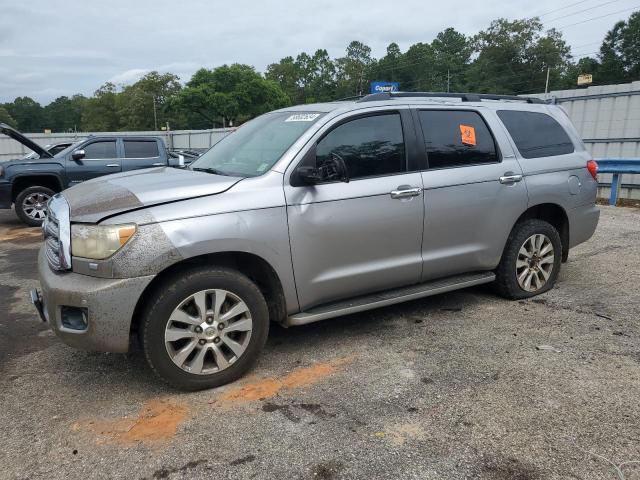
<point>468,135</point>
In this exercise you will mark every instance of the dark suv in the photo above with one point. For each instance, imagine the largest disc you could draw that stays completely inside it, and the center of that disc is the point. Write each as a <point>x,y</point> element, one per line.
<point>28,183</point>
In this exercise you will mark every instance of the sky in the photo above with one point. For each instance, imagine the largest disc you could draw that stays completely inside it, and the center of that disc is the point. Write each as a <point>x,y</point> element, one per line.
<point>53,48</point>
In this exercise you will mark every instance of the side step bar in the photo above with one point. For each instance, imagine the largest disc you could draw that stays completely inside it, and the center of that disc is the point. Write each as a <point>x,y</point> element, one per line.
<point>389,297</point>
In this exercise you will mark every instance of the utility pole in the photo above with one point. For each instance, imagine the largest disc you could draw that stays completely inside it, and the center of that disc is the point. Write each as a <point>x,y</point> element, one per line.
<point>448,81</point>
<point>155,115</point>
<point>546,86</point>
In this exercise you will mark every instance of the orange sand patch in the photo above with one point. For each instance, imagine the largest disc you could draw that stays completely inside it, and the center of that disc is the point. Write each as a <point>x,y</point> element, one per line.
<point>269,387</point>
<point>157,422</point>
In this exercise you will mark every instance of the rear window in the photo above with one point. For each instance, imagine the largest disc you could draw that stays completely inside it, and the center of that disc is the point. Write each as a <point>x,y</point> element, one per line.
<point>536,134</point>
<point>455,138</point>
<point>140,149</point>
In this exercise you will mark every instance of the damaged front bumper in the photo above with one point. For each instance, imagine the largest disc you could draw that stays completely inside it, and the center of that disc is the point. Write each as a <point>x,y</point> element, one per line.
<point>86,312</point>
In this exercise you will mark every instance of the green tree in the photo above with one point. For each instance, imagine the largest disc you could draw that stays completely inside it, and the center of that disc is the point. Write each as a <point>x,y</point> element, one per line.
<point>286,74</point>
<point>451,53</point>
<point>226,94</point>
<point>620,52</point>
<point>322,83</point>
<point>6,118</point>
<point>27,113</point>
<point>354,69</point>
<point>146,104</point>
<point>513,57</point>
<point>419,60</point>
<point>100,113</point>
<point>64,113</point>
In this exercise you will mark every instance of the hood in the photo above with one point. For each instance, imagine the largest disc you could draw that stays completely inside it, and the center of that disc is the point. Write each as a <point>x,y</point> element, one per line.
<point>30,144</point>
<point>94,200</point>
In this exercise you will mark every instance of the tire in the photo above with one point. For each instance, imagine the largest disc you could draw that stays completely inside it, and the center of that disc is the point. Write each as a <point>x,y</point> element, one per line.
<point>211,361</point>
<point>31,206</point>
<point>516,266</point>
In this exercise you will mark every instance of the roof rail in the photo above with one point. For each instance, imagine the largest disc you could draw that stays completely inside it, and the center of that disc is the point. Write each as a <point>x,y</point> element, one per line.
<point>465,97</point>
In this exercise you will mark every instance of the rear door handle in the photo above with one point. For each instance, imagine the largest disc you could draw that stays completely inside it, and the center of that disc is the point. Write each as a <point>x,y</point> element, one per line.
<point>405,191</point>
<point>113,165</point>
<point>510,178</point>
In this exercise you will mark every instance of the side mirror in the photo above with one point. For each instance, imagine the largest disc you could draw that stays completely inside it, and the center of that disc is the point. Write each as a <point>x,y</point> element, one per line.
<point>332,169</point>
<point>78,154</point>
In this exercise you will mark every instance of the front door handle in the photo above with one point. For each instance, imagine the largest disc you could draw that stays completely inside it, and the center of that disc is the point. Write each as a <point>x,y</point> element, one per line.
<point>510,178</point>
<point>405,191</point>
<point>113,165</point>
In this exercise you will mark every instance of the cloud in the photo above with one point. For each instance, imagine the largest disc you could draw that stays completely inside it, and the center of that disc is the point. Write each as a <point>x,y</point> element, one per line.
<point>78,45</point>
<point>129,76</point>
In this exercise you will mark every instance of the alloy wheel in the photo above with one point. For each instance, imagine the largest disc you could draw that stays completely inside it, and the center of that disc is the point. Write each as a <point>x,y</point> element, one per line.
<point>535,262</point>
<point>34,205</point>
<point>208,331</point>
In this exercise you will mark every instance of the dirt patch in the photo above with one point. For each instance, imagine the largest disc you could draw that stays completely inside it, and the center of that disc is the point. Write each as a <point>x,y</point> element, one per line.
<point>270,387</point>
<point>20,333</point>
<point>23,234</point>
<point>157,422</point>
<point>22,263</point>
<point>399,434</point>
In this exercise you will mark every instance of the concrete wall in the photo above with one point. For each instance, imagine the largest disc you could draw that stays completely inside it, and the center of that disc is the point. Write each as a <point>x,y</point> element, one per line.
<point>10,149</point>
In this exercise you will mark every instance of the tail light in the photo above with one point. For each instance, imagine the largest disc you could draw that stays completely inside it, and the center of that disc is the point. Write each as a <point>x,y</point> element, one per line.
<point>592,166</point>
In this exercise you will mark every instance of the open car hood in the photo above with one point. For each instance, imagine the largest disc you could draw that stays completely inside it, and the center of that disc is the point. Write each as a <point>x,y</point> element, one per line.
<point>30,144</point>
<point>102,197</point>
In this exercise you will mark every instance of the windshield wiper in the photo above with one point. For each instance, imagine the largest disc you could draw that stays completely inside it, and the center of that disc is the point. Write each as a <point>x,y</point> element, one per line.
<point>209,170</point>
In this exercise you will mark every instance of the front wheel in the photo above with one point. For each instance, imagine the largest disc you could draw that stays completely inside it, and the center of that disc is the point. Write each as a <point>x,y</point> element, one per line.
<point>531,260</point>
<point>31,205</point>
<point>204,328</point>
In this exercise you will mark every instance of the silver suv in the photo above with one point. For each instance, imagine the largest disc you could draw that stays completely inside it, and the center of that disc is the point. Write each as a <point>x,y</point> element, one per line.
<point>313,212</point>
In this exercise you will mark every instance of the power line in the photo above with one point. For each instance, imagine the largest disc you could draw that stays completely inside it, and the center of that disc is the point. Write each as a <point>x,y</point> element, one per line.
<point>599,17</point>
<point>582,11</point>
<point>562,8</point>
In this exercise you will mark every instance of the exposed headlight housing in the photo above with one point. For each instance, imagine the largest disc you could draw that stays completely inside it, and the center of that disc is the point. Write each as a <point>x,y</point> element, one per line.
<point>98,242</point>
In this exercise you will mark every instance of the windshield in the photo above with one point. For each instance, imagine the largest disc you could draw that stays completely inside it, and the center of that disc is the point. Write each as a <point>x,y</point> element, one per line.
<point>256,146</point>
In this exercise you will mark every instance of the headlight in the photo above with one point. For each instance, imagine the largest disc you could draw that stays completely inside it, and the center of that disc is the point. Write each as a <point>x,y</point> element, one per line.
<point>99,241</point>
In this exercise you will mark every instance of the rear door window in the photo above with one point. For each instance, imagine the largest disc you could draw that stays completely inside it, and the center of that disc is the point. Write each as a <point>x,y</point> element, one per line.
<point>536,134</point>
<point>140,149</point>
<point>455,138</point>
<point>98,150</point>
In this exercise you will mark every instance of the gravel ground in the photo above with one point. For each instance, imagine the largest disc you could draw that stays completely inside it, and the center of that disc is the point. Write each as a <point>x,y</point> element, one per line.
<point>451,386</point>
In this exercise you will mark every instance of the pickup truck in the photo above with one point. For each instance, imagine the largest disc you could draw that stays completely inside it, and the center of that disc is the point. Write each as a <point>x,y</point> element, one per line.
<point>29,183</point>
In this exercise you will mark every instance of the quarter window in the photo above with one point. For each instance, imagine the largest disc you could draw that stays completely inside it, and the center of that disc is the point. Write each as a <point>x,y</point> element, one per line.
<point>98,150</point>
<point>536,134</point>
<point>140,149</point>
<point>455,138</point>
<point>369,146</point>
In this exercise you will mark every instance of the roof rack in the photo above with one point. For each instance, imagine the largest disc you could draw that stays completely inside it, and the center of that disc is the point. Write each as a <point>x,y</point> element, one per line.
<point>465,97</point>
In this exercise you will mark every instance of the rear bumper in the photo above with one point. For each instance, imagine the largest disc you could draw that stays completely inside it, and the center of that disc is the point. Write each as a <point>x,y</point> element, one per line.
<point>109,304</point>
<point>5,194</point>
<point>582,223</point>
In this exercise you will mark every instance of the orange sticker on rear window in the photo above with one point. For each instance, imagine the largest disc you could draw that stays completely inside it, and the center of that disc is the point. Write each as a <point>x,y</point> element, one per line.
<point>468,135</point>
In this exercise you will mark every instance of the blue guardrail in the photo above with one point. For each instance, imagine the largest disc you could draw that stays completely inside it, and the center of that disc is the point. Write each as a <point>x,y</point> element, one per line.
<point>617,166</point>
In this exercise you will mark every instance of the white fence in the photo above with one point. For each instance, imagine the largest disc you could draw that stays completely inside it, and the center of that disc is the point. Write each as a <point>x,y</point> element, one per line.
<point>10,149</point>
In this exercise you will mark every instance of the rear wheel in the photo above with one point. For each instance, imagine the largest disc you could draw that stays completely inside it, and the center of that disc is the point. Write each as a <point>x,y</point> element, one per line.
<point>31,205</point>
<point>531,260</point>
<point>205,328</point>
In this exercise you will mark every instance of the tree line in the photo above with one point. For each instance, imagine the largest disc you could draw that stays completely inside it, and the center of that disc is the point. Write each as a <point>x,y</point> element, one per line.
<point>509,57</point>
